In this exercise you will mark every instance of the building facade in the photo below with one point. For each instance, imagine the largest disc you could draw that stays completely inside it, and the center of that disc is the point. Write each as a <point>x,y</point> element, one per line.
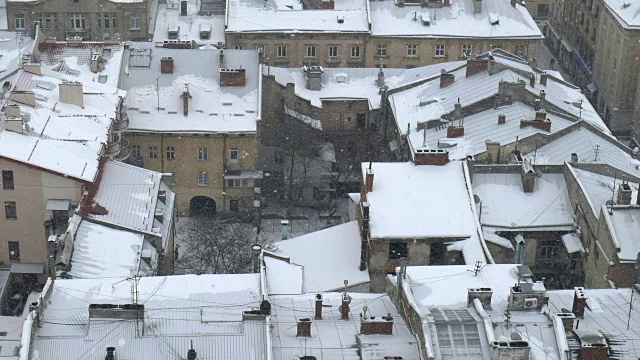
<point>88,20</point>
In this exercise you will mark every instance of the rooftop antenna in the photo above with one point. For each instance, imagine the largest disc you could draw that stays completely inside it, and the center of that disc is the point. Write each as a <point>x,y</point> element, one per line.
<point>507,317</point>
<point>476,268</point>
<point>596,149</point>
<point>370,165</point>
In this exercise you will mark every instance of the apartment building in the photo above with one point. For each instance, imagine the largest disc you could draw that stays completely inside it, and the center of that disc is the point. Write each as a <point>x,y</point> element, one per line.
<point>193,115</point>
<point>87,20</point>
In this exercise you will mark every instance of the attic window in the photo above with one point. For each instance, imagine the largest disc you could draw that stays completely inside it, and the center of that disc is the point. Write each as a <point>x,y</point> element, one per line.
<point>340,19</point>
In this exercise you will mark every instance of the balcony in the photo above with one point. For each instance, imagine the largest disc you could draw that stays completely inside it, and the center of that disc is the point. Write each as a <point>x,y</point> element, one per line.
<point>121,125</point>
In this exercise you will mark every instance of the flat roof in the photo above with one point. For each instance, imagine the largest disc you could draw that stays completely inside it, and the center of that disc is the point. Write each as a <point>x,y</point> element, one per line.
<point>189,26</point>
<point>626,227</point>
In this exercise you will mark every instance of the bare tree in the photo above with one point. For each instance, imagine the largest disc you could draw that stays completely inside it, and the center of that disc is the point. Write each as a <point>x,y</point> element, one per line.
<point>211,246</point>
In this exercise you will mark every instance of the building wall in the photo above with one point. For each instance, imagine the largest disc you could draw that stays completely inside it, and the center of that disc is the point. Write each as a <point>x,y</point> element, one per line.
<point>62,10</point>
<point>186,165</point>
<point>32,189</point>
<point>538,9</point>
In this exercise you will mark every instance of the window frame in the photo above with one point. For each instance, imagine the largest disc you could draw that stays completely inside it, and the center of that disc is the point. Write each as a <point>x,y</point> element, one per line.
<point>8,180</point>
<point>202,154</point>
<point>398,250</point>
<point>440,50</point>
<point>312,51</point>
<point>203,178</point>
<point>412,50</point>
<point>281,51</point>
<point>19,18</point>
<point>333,52</point>
<point>171,153</point>
<point>153,151</point>
<point>16,250</point>
<point>135,21</point>
<point>136,151</point>
<point>356,49</point>
<point>10,210</point>
<point>381,50</point>
<point>77,19</point>
<point>466,53</point>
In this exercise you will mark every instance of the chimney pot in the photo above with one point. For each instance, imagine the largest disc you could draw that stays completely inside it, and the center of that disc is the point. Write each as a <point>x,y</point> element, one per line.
<point>192,355</point>
<point>376,325</point>
<point>567,321</point>
<point>532,79</point>
<point>369,180</point>
<point>543,78</point>
<point>344,308</point>
<point>318,306</point>
<point>166,65</point>
<point>185,100</point>
<point>233,77</point>
<point>579,302</point>
<point>483,294</point>
<point>304,327</point>
<point>624,193</point>
<point>541,115</point>
<point>502,119</point>
<point>446,79</point>
<point>574,157</point>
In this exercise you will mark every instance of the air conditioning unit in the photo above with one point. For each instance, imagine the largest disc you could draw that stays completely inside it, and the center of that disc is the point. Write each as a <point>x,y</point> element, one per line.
<point>530,303</point>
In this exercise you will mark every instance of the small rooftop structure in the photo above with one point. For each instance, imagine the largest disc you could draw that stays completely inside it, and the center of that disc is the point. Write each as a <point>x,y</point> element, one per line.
<point>189,27</point>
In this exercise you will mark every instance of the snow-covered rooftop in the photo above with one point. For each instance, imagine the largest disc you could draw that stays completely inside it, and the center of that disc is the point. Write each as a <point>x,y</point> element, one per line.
<point>289,16</point>
<point>627,12</point>
<point>625,227</point>
<point>334,338</point>
<point>600,188</point>
<point>424,201</point>
<point>12,45</point>
<point>64,138</point>
<point>456,20</point>
<point>328,257</point>
<point>205,309</point>
<point>506,205</point>
<point>212,108</point>
<point>189,26</point>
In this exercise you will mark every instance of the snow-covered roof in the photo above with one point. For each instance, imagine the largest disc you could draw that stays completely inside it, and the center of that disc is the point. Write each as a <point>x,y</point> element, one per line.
<point>289,16</point>
<point>424,201</point>
<point>627,12</point>
<point>12,45</point>
<point>600,188</point>
<point>428,101</point>
<point>99,250</point>
<point>212,108</point>
<point>130,196</point>
<point>334,338</point>
<point>456,20</point>
<point>205,309</point>
<point>328,257</point>
<point>188,26</point>
<point>591,146</point>
<point>353,83</point>
<point>506,205</point>
<point>607,311</point>
<point>64,138</point>
<point>624,225</point>
<point>283,277</point>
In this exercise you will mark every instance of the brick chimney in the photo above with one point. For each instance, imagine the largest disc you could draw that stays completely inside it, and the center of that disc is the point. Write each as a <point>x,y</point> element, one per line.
<point>510,349</point>
<point>233,77</point>
<point>95,62</point>
<point>374,325</point>
<point>431,157</point>
<point>502,119</point>
<point>344,308</point>
<point>111,353</point>
<point>328,4</point>
<point>455,131</point>
<point>70,92</point>
<point>596,351</point>
<point>579,302</point>
<point>304,327</point>
<point>369,179</point>
<point>567,321</point>
<point>318,306</point>
<point>624,193</point>
<point>446,79</point>
<point>166,65</point>
<point>185,100</point>
<point>475,65</point>
<point>532,80</point>
<point>484,294</point>
<point>543,78</point>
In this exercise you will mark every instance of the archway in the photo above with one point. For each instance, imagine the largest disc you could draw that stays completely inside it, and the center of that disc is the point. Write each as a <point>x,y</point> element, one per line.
<point>202,206</point>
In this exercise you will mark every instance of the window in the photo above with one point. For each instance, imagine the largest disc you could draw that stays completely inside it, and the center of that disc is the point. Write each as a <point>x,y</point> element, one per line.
<point>48,21</point>
<point>135,151</point>
<point>234,155</point>
<point>412,50</point>
<point>106,21</point>
<point>355,51</point>
<point>397,250</point>
<point>77,21</point>
<point>311,51</point>
<point>14,251</point>
<point>466,50</point>
<point>549,249</point>
<point>203,179</point>
<point>281,51</point>
<point>135,21</point>
<point>153,152</point>
<point>333,51</point>
<point>171,153</point>
<point>381,50</point>
<point>234,205</point>
<point>519,50</point>
<point>7,179</point>
<point>202,154</point>
<point>19,21</point>
<point>440,50</point>
<point>10,211</point>
<point>238,183</point>
<point>238,47</point>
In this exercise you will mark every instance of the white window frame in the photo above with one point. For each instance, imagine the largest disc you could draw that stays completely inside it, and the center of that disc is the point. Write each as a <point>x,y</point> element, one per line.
<point>153,152</point>
<point>355,51</point>
<point>281,51</point>
<point>333,51</point>
<point>412,50</point>
<point>203,178</point>
<point>312,51</point>
<point>19,21</point>
<point>203,154</point>
<point>75,20</point>
<point>135,22</point>
<point>381,50</point>
<point>467,50</point>
<point>171,153</point>
<point>136,152</point>
<point>440,50</point>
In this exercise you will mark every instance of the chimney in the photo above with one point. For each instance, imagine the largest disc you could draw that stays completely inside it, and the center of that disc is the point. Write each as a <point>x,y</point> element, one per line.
<point>185,100</point>
<point>532,80</point>
<point>624,193</point>
<point>492,152</point>
<point>32,68</point>
<point>543,97</point>
<point>567,319</point>
<point>314,77</point>
<point>111,311</point>
<point>475,65</point>
<point>318,306</point>
<point>380,81</point>
<point>12,110</point>
<point>304,327</point>
<point>596,351</point>
<point>23,97</point>
<point>579,302</point>
<point>484,294</point>
<point>541,115</point>
<point>328,4</point>
<point>477,6</point>
<point>233,77</point>
<point>510,349</point>
<point>537,104</point>
<point>431,157</point>
<point>111,353</point>
<point>446,79</point>
<point>373,325</point>
<point>543,78</point>
<point>70,92</point>
<point>574,157</point>
<point>369,179</point>
<point>221,62</point>
<point>528,175</point>
<point>95,63</point>
<point>344,308</point>
<point>502,119</point>
<point>455,131</point>
<point>457,110</point>
<point>14,124</point>
<point>166,65</point>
